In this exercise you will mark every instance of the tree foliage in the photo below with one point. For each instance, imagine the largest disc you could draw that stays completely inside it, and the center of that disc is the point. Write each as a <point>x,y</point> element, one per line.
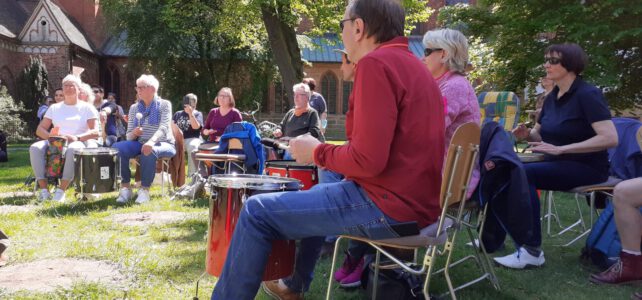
<point>34,88</point>
<point>201,45</point>
<point>508,39</point>
<point>10,121</point>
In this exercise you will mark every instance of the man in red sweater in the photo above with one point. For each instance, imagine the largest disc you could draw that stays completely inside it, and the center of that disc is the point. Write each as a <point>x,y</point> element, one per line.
<point>392,162</point>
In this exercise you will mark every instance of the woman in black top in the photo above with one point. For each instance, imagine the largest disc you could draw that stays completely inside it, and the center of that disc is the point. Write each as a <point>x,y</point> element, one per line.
<point>573,130</point>
<point>190,122</point>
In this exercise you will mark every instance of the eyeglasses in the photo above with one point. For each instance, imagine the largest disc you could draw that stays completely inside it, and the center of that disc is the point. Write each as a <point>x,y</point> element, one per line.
<point>142,87</point>
<point>429,51</point>
<point>343,21</point>
<point>552,60</point>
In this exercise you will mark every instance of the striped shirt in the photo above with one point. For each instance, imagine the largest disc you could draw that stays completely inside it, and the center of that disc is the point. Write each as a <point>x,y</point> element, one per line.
<point>161,132</point>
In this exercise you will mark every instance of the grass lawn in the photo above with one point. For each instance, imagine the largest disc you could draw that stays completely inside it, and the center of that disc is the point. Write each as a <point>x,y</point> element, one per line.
<point>164,261</point>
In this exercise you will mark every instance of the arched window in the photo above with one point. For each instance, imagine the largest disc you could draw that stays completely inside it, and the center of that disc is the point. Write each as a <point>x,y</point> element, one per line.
<point>112,83</point>
<point>347,90</point>
<point>280,98</point>
<point>329,91</point>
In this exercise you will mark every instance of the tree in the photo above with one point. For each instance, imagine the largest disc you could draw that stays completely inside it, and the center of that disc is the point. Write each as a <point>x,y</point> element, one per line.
<point>509,38</point>
<point>10,121</point>
<point>198,43</point>
<point>34,88</point>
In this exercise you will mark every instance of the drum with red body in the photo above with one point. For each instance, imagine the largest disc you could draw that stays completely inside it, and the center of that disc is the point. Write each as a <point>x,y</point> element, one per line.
<point>291,169</point>
<point>228,193</point>
<point>55,158</point>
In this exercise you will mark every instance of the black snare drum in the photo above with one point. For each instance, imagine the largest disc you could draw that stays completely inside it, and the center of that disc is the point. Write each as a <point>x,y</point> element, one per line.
<point>96,170</point>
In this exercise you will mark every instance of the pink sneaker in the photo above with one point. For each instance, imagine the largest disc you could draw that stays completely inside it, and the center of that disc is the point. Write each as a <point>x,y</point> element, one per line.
<point>347,268</point>
<point>354,278</point>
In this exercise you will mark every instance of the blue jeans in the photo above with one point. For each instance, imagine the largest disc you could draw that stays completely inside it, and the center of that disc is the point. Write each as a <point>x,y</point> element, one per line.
<point>327,209</point>
<point>131,149</point>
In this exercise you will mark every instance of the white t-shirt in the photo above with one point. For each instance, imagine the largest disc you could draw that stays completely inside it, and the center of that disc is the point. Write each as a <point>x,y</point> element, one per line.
<point>71,119</point>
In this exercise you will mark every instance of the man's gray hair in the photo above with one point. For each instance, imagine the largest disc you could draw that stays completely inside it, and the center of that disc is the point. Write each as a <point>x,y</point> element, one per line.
<point>302,86</point>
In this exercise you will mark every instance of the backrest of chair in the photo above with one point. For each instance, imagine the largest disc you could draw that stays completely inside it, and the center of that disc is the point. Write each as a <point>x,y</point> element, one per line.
<point>460,162</point>
<point>234,144</point>
<point>501,107</point>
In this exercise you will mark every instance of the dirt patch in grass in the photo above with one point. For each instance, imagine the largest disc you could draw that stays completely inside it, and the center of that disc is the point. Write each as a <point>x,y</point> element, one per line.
<point>8,209</point>
<point>47,275</point>
<point>150,218</point>
<point>17,195</point>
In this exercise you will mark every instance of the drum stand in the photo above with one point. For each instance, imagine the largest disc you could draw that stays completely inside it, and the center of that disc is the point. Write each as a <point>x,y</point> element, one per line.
<point>197,281</point>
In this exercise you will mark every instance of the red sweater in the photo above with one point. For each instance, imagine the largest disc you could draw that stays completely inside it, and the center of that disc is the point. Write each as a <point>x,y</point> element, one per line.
<point>395,129</point>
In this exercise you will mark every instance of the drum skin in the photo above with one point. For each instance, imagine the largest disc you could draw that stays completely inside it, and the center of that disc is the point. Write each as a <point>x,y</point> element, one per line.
<point>98,174</point>
<point>291,169</point>
<point>208,148</point>
<point>225,206</point>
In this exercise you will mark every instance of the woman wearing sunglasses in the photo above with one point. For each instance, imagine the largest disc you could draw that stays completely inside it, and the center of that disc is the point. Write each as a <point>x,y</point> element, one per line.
<point>573,130</point>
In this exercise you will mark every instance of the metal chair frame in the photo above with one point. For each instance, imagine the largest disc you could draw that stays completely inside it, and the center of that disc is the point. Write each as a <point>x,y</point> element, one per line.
<point>460,161</point>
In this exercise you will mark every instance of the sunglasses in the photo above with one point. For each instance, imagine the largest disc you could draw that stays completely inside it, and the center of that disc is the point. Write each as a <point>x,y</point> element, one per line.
<point>552,60</point>
<point>429,51</point>
<point>343,21</point>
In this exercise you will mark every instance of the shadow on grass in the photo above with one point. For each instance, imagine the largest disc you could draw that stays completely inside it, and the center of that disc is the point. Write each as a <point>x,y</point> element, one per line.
<point>198,202</point>
<point>74,207</point>
<point>18,200</point>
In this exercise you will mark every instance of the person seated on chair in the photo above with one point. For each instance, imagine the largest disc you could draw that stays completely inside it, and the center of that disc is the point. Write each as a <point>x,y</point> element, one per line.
<point>627,200</point>
<point>394,102</point>
<point>574,130</point>
<point>48,101</point>
<point>301,119</point>
<point>190,121</point>
<point>149,137</point>
<point>109,115</point>
<point>87,95</point>
<point>445,57</point>
<point>219,117</point>
<point>73,120</point>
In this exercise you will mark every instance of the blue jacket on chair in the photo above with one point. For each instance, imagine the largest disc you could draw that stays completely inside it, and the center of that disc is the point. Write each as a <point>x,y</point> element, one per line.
<point>504,186</point>
<point>252,147</point>
<point>626,158</point>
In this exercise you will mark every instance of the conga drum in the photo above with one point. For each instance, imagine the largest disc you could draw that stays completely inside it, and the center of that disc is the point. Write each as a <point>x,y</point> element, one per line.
<point>228,192</point>
<point>291,169</point>
<point>96,170</point>
<point>55,158</point>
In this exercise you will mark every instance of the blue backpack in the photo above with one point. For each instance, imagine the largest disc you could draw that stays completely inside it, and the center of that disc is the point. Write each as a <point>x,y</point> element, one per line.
<point>603,243</point>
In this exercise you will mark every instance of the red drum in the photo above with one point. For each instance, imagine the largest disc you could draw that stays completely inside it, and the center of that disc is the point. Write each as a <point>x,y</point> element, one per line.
<point>228,192</point>
<point>291,169</point>
<point>55,158</point>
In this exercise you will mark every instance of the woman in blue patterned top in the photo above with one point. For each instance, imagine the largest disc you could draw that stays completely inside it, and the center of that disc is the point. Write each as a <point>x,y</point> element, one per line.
<point>149,134</point>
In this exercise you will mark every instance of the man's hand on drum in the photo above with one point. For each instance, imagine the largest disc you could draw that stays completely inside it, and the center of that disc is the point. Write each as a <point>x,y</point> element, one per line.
<point>138,131</point>
<point>302,148</point>
<point>147,148</point>
<point>521,132</point>
<point>546,148</point>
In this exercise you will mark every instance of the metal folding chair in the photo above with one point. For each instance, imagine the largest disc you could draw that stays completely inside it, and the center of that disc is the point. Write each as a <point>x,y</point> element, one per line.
<point>460,161</point>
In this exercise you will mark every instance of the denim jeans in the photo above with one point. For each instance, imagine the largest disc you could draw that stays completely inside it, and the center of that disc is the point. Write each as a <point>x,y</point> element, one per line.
<point>131,149</point>
<point>326,209</point>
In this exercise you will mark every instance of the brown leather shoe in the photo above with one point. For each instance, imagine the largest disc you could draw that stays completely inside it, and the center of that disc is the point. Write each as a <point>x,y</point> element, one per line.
<point>625,270</point>
<point>278,290</point>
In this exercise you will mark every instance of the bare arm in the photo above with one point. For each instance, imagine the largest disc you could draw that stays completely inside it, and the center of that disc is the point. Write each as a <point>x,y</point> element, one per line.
<point>605,137</point>
<point>43,128</point>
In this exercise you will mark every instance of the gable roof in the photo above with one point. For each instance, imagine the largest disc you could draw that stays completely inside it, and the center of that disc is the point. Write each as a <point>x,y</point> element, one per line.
<point>69,29</point>
<point>12,18</point>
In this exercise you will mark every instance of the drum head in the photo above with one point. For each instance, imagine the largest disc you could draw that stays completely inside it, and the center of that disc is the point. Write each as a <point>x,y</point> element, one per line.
<point>291,164</point>
<point>531,157</point>
<point>254,182</point>
<point>96,151</point>
<point>208,146</point>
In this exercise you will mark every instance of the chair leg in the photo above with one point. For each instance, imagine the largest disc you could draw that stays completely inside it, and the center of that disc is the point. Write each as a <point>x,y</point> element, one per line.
<point>334,260</point>
<point>375,280</point>
<point>429,259</point>
<point>489,263</point>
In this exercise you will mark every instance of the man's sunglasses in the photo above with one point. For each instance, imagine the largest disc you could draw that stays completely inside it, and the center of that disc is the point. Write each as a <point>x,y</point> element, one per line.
<point>429,51</point>
<point>552,60</point>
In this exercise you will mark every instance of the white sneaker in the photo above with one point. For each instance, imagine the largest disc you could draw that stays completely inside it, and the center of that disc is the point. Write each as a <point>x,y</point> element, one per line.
<point>520,259</point>
<point>44,195</point>
<point>124,195</point>
<point>143,196</point>
<point>59,195</point>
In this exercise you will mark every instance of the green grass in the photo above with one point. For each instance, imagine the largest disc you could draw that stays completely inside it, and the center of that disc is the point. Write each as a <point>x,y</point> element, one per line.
<point>164,261</point>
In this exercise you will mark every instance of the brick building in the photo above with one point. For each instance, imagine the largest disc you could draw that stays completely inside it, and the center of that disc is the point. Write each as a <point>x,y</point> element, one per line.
<point>70,36</point>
